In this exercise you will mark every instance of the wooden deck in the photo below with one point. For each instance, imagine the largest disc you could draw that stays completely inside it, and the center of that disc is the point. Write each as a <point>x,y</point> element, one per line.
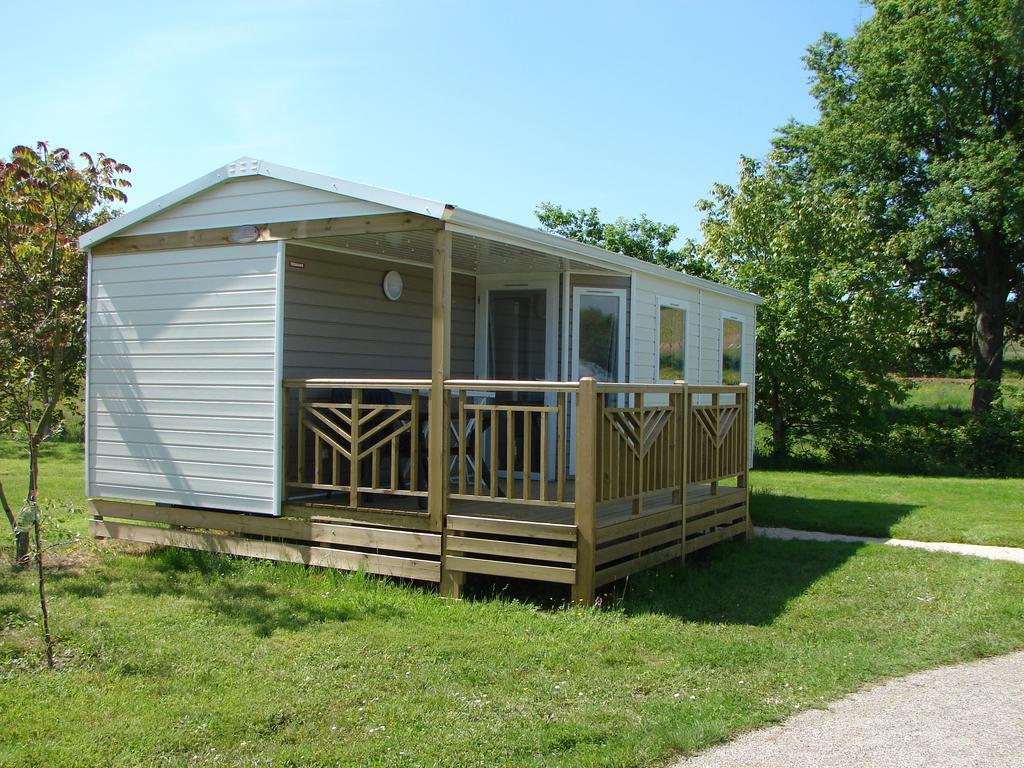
<point>356,499</point>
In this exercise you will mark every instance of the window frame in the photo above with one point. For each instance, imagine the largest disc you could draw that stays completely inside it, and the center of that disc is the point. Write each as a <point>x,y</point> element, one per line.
<point>673,303</point>
<point>721,343</point>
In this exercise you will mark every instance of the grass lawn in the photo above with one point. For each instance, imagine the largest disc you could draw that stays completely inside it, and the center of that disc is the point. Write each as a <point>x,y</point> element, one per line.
<point>968,510</point>
<point>61,482</point>
<point>176,658</point>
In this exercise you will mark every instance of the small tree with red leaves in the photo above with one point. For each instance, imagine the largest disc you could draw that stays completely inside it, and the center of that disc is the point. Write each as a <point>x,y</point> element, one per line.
<point>47,200</point>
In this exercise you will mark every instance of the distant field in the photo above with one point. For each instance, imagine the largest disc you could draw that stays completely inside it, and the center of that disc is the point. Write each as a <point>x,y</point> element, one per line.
<point>954,394</point>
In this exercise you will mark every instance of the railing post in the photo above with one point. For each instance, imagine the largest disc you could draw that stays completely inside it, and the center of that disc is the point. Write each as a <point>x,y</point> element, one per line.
<point>743,480</point>
<point>439,417</point>
<point>300,438</point>
<point>641,464</point>
<point>716,452</point>
<point>683,422</point>
<point>354,448</point>
<point>586,491</point>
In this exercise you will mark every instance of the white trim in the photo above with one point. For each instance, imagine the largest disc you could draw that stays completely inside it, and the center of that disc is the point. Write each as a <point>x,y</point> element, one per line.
<point>631,337</point>
<point>86,421</point>
<point>248,166</point>
<point>580,291</point>
<point>490,228</point>
<point>575,370</point>
<point>279,296</point>
<point>700,335</point>
<point>458,220</point>
<point>753,389</point>
<point>724,315</point>
<point>564,329</point>
<point>412,203</point>
<point>673,303</point>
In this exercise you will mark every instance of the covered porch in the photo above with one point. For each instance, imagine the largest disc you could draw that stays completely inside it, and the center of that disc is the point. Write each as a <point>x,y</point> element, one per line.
<point>478,418</point>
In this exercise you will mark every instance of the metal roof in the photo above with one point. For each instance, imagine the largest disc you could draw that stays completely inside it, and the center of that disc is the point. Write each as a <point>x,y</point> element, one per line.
<point>457,219</point>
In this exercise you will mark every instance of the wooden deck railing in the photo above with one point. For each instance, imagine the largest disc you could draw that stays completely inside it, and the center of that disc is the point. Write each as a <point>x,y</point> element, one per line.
<point>509,441</point>
<point>640,449</point>
<point>356,436</point>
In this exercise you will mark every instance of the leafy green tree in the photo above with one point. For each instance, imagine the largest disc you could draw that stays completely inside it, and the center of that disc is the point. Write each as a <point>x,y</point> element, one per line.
<point>833,327</point>
<point>922,127</point>
<point>641,238</point>
<point>46,203</point>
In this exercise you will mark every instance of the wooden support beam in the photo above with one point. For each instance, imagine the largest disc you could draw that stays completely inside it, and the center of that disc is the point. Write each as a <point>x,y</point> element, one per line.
<point>586,492</point>
<point>439,418</point>
<point>286,230</point>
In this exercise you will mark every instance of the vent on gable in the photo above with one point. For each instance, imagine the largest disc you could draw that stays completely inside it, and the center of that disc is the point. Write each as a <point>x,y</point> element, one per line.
<point>245,166</point>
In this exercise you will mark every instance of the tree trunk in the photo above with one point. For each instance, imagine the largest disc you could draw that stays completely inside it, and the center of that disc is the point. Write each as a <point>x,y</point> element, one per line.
<point>989,327</point>
<point>20,537</point>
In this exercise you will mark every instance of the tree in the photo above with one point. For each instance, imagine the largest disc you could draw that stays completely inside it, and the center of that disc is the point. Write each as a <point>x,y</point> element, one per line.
<point>833,327</point>
<point>641,238</point>
<point>46,203</point>
<point>922,124</point>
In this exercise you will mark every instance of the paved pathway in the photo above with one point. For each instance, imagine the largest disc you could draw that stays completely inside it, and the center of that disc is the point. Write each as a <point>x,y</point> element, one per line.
<point>970,715</point>
<point>1013,554</point>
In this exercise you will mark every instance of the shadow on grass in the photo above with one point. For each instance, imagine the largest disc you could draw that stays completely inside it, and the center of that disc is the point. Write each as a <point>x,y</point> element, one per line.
<point>735,582</point>
<point>728,583</point>
<point>852,516</point>
<point>222,585</point>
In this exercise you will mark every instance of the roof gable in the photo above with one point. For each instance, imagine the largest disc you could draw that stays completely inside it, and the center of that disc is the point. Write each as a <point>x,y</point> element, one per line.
<point>249,191</point>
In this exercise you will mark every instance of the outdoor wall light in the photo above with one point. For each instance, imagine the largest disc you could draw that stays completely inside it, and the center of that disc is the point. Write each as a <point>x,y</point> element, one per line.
<point>392,285</point>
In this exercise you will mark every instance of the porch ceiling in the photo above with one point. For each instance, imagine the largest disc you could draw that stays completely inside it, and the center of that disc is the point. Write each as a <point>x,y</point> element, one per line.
<point>470,254</point>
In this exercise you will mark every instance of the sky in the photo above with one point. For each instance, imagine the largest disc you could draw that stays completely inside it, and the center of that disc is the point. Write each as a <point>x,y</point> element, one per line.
<point>627,107</point>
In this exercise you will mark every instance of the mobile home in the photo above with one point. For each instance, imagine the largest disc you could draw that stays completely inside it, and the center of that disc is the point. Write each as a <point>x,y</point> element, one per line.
<point>286,365</point>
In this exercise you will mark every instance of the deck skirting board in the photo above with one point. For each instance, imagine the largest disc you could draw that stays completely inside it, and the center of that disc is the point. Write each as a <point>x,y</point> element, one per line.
<point>468,543</point>
<point>385,565</point>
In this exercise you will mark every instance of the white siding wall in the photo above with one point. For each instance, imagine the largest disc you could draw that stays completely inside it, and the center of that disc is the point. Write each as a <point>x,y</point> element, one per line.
<point>255,200</point>
<point>703,332</point>
<point>182,374</point>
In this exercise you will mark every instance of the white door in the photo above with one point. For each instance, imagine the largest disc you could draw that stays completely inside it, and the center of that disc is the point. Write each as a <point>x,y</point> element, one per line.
<point>516,341</point>
<point>599,333</point>
<point>598,339</point>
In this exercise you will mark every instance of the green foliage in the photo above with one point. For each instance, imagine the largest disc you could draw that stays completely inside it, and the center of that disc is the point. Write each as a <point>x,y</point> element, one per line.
<point>922,127</point>
<point>640,238</point>
<point>833,327</point>
<point>46,203</point>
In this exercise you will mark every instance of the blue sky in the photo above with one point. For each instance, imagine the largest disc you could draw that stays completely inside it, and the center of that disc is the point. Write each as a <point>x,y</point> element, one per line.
<point>629,107</point>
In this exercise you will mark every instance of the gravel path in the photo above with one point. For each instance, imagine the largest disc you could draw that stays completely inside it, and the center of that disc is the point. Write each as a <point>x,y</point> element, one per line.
<point>970,715</point>
<point>1013,554</point>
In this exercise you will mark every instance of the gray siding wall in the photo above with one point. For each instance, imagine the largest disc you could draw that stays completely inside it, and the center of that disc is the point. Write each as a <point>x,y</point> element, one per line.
<point>338,323</point>
<point>181,380</point>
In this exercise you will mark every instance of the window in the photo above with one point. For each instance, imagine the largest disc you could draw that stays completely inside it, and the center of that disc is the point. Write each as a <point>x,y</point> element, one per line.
<point>732,350</point>
<point>671,343</point>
